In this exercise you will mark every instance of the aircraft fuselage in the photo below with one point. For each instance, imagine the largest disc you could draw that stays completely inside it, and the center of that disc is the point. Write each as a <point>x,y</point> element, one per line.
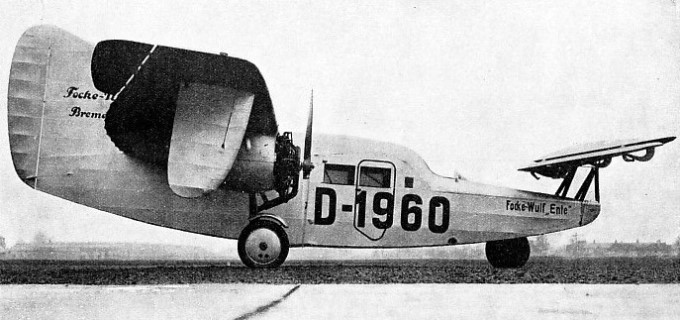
<point>361,193</point>
<point>365,193</point>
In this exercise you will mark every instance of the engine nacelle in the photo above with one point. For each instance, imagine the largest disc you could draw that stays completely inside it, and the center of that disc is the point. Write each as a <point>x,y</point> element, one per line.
<point>253,169</point>
<point>265,163</point>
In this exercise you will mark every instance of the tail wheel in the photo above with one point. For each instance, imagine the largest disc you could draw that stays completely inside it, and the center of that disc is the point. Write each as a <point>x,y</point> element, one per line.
<point>263,244</point>
<point>511,253</point>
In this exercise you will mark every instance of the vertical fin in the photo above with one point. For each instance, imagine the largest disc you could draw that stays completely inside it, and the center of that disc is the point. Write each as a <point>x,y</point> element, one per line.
<point>55,115</point>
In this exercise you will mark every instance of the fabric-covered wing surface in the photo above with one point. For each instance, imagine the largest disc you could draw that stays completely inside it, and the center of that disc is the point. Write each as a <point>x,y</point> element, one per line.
<point>184,109</point>
<point>209,125</point>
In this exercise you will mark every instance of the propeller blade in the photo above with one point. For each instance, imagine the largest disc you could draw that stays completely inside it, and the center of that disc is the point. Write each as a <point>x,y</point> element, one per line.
<point>307,165</point>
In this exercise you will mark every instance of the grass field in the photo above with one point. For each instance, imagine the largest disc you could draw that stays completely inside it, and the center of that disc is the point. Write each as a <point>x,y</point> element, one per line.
<point>537,270</point>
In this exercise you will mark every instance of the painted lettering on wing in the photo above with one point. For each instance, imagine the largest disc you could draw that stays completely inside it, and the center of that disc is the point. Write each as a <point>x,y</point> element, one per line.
<point>78,113</point>
<point>79,94</point>
<point>76,93</point>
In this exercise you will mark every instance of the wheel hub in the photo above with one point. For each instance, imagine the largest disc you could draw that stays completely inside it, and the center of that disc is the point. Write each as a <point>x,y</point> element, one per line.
<point>263,246</point>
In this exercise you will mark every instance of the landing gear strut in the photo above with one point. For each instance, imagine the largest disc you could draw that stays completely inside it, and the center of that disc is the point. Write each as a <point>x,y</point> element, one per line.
<point>511,253</point>
<point>263,244</point>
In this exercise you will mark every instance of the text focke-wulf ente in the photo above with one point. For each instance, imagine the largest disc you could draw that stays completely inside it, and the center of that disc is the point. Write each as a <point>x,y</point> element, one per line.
<point>535,206</point>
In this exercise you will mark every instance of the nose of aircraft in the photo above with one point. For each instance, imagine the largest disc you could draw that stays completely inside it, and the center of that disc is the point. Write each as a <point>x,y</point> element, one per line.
<point>590,212</point>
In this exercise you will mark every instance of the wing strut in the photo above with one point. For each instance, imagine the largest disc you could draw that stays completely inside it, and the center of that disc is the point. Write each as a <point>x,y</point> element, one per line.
<point>566,183</point>
<point>581,194</point>
<point>593,176</point>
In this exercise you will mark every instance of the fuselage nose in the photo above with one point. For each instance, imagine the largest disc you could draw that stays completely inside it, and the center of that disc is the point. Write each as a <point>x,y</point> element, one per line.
<point>590,212</point>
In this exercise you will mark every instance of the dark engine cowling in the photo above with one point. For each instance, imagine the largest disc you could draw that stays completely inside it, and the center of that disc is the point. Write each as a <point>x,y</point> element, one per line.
<point>266,163</point>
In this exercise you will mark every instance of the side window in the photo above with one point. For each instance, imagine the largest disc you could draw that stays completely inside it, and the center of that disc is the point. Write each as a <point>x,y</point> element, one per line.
<point>375,177</point>
<point>338,174</point>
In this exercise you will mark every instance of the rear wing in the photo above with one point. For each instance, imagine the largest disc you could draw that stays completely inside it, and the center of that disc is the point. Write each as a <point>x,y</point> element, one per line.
<point>563,164</point>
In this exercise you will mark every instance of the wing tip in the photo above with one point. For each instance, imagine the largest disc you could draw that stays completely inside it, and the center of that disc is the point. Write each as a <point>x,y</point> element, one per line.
<point>666,139</point>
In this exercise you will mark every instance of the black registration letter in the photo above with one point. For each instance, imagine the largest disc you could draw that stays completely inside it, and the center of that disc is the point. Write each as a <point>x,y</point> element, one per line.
<point>318,206</point>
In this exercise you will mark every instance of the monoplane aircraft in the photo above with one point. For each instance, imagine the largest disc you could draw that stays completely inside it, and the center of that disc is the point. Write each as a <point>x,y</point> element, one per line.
<point>188,140</point>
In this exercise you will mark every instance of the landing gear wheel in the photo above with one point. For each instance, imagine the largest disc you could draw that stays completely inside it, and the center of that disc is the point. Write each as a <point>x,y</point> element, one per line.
<point>511,253</point>
<point>263,244</point>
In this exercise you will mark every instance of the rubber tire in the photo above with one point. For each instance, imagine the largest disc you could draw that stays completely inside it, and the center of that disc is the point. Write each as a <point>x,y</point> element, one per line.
<point>266,224</point>
<point>510,253</point>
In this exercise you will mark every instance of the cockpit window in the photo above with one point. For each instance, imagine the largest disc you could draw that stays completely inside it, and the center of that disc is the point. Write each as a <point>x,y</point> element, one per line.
<point>375,177</point>
<point>338,174</point>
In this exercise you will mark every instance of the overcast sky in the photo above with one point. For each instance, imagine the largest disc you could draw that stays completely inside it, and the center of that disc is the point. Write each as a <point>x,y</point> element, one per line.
<point>480,88</point>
